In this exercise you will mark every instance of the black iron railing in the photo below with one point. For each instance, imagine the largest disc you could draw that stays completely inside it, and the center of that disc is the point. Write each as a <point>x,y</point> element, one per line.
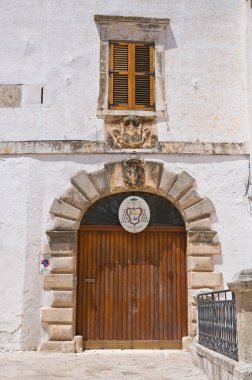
<point>217,322</point>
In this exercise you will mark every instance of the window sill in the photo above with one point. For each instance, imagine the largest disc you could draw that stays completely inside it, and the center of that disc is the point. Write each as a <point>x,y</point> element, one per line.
<point>107,112</point>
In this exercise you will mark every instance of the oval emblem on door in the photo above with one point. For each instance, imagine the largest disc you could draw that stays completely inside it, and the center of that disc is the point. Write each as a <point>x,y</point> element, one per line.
<point>134,214</point>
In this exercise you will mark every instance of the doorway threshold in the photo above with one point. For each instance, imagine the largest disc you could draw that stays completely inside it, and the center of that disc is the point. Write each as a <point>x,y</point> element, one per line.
<point>132,344</point>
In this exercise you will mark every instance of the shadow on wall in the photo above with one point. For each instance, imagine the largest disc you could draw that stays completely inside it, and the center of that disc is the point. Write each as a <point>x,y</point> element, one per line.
<point>170,42</point>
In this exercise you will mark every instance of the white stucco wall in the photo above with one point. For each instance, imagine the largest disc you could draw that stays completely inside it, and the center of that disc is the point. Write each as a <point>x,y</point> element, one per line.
<point>13,231</point>
<point>249,70</point>
<point>30,184</point>
<point>55,44</point>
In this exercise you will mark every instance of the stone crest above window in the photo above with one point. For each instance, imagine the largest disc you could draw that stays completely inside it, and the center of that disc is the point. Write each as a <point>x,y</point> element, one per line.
<point>136,30</point>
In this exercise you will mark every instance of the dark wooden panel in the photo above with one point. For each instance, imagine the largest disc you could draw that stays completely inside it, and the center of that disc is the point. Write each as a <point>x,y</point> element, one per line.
<point>131,287</point>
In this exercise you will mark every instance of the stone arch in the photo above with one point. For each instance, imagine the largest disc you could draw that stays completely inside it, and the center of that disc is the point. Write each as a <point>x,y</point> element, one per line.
<point>67,212</point>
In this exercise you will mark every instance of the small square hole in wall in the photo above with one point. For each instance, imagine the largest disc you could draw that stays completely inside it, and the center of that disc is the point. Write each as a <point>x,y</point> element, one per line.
<point>10,95</point>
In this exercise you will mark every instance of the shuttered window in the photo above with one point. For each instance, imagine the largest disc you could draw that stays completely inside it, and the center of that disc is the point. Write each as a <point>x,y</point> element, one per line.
<point>131,76</point>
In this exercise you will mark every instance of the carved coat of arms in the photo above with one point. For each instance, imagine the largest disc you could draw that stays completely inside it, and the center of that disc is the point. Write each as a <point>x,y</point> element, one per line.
<point>132,133</point>
<point>133,173</point>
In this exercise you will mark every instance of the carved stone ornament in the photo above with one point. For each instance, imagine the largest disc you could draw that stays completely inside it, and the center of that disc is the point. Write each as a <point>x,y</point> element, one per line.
<point>131,132</point>
<point>133,173</point>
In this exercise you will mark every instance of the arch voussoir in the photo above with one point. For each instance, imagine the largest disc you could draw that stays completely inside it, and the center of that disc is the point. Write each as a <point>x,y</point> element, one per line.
<point>100,181</point>
<point>183,183</point>
<point>62,209</point>
<point>115,176</point>
<point>200,210</point>
<point>168,178</point>
<point>188,199</point>
<point>61,224</point>
<point>84,184</point>
<point>153,172</point>
<point>75,198</point>
<point>203,224</point>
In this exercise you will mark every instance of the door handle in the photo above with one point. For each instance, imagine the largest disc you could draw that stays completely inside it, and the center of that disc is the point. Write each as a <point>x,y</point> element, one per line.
<point>90,280</point>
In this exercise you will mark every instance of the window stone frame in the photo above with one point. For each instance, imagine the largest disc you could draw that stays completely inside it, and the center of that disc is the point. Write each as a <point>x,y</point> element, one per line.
<point>138,29</point>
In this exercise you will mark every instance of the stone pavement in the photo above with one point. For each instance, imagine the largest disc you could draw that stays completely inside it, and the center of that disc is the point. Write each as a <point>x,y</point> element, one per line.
<point>100,364</point>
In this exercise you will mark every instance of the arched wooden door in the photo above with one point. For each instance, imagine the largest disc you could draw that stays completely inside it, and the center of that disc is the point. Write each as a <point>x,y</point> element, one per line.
<point>131,288</point>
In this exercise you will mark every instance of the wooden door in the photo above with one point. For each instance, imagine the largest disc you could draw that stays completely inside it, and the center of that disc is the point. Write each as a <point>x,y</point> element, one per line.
<point>131,288</point>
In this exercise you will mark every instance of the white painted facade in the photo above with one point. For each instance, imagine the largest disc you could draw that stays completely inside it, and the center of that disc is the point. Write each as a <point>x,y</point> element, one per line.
<point>55,45</point>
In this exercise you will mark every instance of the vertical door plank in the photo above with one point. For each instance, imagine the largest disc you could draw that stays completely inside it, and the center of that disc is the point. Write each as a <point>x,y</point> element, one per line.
<point>173,284</point>
<point>163,268</point>
<point>87,284</point>
<point>146,297</point>
<point>161,293</point>
<point>125,287</point>
<point>132,288</point>
<point>184,283</point>
<point>117,286</point>
<point>98,286</point>
<point>138,314</point>
<point>106,286</point>
<point>169,285</point>
<point>103,281</point>
<point>128,269</point>
<point>152,302</point>
<point>179,293</point>
<point>91,285</point>
<point>110,296</point>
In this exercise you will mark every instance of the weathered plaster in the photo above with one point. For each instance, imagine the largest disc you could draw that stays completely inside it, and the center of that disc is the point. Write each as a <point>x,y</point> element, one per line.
<point>248,37</point>
<point>14,183</point>
<point>32,283</point>
<point>97,147</point>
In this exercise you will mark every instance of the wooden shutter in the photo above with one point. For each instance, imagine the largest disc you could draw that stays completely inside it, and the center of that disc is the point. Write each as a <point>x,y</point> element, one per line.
<point>144,77</point>
<point>119,75</point>
<point>131,76</point>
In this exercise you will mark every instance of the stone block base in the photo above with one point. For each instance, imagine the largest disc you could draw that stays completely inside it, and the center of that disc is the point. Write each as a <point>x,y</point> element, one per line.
<point>242,372</point>
<point>57,315</point>
<point>58,346</point>
<point>60,332</point>
<point>212,280</point>
<point>186,342</point>
<point>75,345</point>
<point>78,344</point>
<point>213,364</point>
